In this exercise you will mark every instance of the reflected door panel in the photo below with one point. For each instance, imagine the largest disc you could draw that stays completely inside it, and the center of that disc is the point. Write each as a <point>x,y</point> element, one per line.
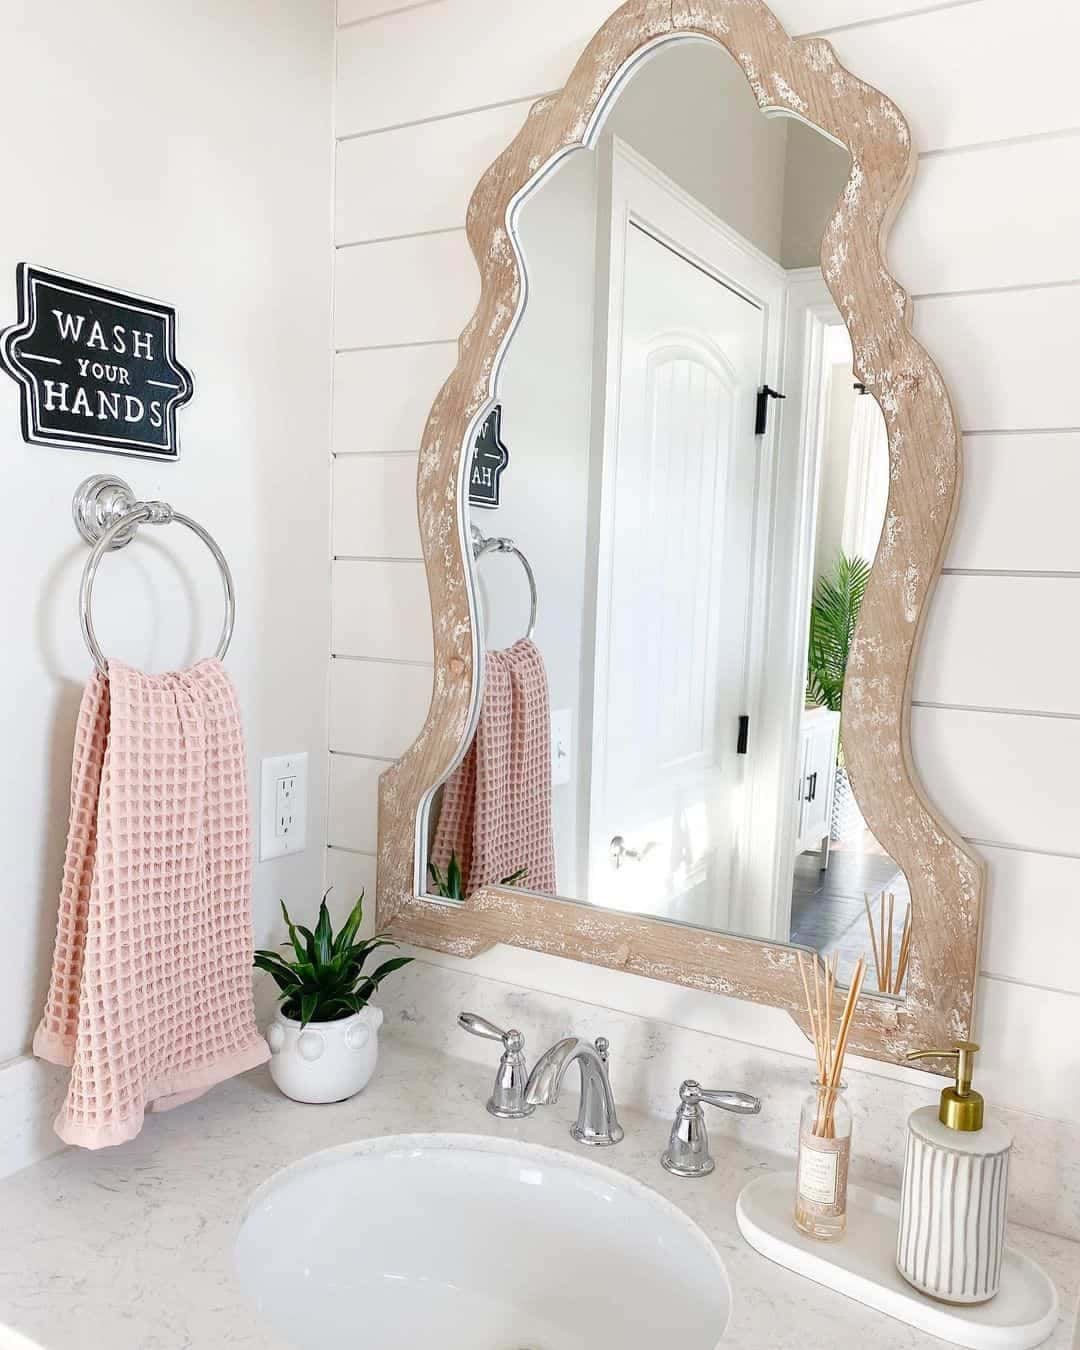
<point>675,538</point>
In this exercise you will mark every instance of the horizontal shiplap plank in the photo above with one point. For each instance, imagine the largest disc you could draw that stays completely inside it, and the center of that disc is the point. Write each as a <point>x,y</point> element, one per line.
<point>1031,1056</point>
<point>348,875</point>
<point>382,398</point>
<point>1002,777</point>
<point>352,816</point>
<point>797,16</point>
<point>381,610</point>
<point>954,71</point>
<point>402,67</point>
<point>375,507</point>
<point>357,11</point>
<point>420,177</point>
<point>965,76</point>
<point>1006,215</point>
<point>453,57</point>
<point>404,291</point>
<point>1029,897</point>
<point>1008,358</point>
<point>377,707</point>
<point>982,633</point>
<point>1018,504</point>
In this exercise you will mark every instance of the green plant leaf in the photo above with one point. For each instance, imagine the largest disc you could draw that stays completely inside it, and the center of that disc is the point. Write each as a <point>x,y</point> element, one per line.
<point>350,927</point>
<point>324,935</point>
<point>281,974</point>
<point>515,877</point>
<point>453,877</point>
<point>308,1005</point>
<point>362,950</point>
<point>372,981</point>
<point>834,614</point>
<point>304,951</point>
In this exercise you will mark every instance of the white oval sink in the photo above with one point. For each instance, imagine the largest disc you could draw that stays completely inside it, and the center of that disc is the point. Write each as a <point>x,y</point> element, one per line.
<point>469,1243</point>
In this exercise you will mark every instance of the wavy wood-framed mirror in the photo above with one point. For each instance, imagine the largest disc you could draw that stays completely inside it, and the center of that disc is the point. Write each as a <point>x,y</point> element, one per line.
<point>755,307</point>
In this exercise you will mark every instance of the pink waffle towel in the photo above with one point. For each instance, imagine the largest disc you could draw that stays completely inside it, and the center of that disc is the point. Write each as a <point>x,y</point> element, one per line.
<point>496,806</point>
<point>151,995</point>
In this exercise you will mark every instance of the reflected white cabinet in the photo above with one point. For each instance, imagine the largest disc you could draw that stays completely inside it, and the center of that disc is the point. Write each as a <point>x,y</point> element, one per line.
<point>816,761</point>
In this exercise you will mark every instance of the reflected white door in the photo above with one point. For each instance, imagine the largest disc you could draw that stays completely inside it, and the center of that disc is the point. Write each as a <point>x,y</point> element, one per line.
<point>674,563</point>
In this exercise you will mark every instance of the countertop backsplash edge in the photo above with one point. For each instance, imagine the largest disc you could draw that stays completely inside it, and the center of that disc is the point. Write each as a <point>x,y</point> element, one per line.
<point>649,1059</point>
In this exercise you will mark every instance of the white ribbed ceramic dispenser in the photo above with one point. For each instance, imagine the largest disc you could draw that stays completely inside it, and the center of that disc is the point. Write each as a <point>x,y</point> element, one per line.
<point>955,1193</point>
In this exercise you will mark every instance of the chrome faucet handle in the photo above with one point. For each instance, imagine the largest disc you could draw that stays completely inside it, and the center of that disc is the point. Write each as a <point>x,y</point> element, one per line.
<point>687,1153</point>
<point>603,1045</point>
<point>507,1100</point>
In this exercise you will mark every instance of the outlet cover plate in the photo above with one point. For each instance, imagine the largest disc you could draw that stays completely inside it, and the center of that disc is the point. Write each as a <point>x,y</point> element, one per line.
<point>289,835</point>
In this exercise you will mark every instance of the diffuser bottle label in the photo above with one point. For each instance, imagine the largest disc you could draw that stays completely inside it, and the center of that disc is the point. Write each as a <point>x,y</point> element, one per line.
<point>823,1165</point>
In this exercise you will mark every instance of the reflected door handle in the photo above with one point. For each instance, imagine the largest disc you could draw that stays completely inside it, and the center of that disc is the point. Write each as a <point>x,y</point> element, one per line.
<point>620,853</point>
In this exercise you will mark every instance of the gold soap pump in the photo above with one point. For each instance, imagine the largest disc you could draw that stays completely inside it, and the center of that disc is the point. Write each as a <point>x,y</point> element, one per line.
<point>956,1167</point>
<point>961,1106</point>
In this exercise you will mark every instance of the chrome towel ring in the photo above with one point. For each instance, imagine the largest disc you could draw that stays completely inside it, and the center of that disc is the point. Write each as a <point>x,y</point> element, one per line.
<point>107,515</point>
<point>481,544</point>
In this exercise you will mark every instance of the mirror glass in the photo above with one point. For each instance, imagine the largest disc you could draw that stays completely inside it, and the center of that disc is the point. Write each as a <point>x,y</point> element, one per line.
<point>675,506</point>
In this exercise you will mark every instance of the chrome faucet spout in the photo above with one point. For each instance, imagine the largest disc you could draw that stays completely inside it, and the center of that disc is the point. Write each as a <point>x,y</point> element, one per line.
<point>597,1121</point>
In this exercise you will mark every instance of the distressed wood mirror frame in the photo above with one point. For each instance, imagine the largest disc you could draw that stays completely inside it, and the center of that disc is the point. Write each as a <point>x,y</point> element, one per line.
<point>803,77</point>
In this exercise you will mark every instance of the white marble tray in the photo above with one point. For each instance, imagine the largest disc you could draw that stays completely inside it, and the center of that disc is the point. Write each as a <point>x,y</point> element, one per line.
<point>862,1265</point>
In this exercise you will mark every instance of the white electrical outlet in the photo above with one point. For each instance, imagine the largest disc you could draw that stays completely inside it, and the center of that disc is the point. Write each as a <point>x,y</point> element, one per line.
<point>562,746</point>
<point>283,806</point>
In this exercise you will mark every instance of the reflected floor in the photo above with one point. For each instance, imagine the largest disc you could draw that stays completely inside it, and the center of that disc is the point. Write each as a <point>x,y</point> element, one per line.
<point>827,909</point>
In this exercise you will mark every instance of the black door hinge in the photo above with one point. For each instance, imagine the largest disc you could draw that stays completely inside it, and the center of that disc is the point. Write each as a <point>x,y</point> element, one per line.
<point>764,394</point>
<point>744,736</point>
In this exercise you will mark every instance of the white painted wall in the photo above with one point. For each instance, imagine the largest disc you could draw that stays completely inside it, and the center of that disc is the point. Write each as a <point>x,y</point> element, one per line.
<point>994,273</point>
<point>835,457</point>
<point>545,489</point>
<point>180,152</point>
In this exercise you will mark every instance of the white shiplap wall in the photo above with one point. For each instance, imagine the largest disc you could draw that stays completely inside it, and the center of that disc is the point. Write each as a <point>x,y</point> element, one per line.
<point>989,246</point>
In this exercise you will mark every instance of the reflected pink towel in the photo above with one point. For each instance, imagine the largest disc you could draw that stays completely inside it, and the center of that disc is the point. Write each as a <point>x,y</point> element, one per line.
<point>496,806</point>
<point>151,997</point>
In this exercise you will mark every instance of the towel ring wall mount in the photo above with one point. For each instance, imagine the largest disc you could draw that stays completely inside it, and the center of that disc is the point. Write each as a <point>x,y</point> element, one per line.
<point>107,514</point>
<point>482,544</point>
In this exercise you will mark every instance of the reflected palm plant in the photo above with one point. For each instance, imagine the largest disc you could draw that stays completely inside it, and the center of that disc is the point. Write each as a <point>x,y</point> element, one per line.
<point>449,884</point>
<point>834,613</point>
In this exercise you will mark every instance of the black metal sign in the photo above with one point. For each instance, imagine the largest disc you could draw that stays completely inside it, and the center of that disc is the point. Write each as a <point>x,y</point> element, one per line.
<point>97,369</point>
<point>490,458</point>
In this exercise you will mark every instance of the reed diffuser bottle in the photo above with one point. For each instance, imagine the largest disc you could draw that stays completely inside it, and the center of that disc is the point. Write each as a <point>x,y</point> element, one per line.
<point>824,1155</point>
<point>825,1122</point>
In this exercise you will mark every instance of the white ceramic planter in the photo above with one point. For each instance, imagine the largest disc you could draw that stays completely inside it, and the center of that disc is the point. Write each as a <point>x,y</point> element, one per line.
<point>324,1061</point>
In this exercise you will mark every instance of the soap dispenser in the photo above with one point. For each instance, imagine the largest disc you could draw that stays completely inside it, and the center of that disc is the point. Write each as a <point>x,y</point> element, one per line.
<point>955,1191</point>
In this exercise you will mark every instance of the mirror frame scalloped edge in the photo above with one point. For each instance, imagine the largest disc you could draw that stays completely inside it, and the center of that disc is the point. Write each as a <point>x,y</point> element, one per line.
<point>803,77</point>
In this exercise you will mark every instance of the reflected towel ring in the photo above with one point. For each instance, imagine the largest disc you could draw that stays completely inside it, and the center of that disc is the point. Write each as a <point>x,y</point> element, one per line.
<point>481,544</point>
<point>107,515</point>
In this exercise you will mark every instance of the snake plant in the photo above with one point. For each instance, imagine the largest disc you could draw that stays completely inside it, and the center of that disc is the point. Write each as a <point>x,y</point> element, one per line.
<point>449,884</point>
<point>326,981</point>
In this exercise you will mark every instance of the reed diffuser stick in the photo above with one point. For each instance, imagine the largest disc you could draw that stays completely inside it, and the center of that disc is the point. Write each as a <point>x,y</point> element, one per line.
<point>810,1009</point>
<point>884,946</point>
<point>905,953</point>
<point>828,1053</point>
<point>889,933</point>
<point>873,942</point>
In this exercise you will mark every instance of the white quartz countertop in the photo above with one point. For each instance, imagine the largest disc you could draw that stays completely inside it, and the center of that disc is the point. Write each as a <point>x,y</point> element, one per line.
<point>131,1248</point>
